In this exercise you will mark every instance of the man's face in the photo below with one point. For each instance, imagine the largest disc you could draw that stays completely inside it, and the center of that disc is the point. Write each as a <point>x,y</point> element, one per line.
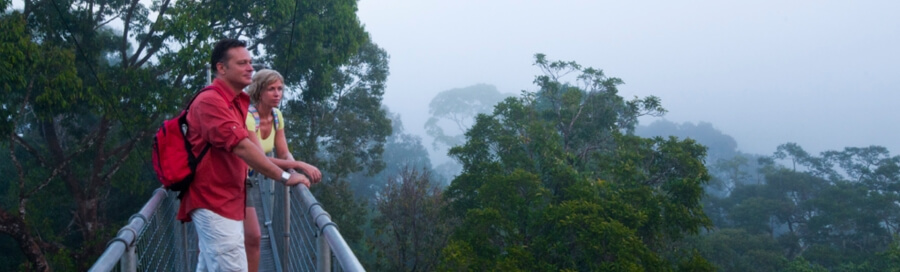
<point>238,70</point>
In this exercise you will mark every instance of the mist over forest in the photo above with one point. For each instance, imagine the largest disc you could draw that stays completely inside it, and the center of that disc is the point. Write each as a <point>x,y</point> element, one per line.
<point>577,136</point>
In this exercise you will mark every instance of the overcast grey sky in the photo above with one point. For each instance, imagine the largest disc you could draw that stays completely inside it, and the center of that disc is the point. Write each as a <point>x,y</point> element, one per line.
<point>823,74</point>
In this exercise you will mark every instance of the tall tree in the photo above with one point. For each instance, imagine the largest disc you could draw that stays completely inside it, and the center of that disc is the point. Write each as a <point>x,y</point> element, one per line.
<point>82,104</point>
<point>452,113</point>
<point>412,230</point>
<point>455,110</point>
<point>552,180</point>
<point>31,73</point>
<point>344,131</point>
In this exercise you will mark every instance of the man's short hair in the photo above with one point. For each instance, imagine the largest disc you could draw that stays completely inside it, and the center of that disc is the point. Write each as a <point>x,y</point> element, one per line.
<point>220,51</point>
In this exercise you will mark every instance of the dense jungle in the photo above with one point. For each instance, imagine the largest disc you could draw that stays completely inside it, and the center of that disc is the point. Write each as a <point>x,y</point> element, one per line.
<point>563,177</point>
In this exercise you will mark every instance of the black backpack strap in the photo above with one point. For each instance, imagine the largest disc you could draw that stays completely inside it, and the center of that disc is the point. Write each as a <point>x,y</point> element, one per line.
<point>188,106</point>
<point>193,162</point>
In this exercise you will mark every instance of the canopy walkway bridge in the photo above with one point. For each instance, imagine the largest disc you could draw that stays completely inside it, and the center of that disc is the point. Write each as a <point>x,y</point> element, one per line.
<point>297,235</point>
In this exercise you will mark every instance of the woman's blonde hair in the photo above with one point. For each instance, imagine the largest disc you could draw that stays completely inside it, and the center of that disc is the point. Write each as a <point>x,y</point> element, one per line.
<point>261,80</point>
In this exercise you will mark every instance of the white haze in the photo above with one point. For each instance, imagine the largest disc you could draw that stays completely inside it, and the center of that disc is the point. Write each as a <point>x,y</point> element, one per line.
<point>823,74</point>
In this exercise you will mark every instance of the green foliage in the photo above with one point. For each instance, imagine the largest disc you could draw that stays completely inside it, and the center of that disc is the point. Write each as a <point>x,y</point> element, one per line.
<point>13,256</point>
<point>696,262</point>
<point>587,237</point>
<point>344,132</point>
<point>669,173</point>
<point>36,78</point>
<point>727,166</point>
<point>323,37</point>
<point>890,258</point>
<point>346,211</point>
<point>456,256</point>
<point>550,182</point>
<point>738,250</point>
<point>802,265</point>
<point>410,231</point>
<point>837,211</point>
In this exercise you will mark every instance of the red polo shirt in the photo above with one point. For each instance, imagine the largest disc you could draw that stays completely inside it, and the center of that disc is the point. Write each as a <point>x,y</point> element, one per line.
<point>218,117</point>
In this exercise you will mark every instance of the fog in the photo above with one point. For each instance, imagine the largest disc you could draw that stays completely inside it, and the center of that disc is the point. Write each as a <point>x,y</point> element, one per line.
<point>823,74</point>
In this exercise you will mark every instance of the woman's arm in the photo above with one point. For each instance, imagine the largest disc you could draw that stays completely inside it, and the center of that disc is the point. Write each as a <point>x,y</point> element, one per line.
<point>281,147</point>
<point>286,160</point>
<point>254,157</point>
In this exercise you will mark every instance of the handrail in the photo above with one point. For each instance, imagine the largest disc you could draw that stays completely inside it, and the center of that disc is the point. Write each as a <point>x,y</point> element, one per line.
<point>126,236</point>
<point>328,229</point>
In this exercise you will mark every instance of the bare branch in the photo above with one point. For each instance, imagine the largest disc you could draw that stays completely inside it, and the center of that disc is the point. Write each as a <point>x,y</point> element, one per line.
<point>56,171</point>
<point>15,138</point>
<point>99,25</point>
<point>147,56</point>
<point>150,33</point>
<point>127,27</point>
<point>127,151</point>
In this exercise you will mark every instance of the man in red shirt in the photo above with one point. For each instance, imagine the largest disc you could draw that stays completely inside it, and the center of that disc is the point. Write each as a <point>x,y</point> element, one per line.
<point>215,200</point>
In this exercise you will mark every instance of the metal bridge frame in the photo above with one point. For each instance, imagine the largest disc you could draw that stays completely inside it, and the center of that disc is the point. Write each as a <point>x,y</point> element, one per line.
<point>154,241</point>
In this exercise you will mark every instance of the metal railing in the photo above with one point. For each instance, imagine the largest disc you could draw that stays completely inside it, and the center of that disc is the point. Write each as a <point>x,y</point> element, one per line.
<point>154,240</point>
<point>311,232</point>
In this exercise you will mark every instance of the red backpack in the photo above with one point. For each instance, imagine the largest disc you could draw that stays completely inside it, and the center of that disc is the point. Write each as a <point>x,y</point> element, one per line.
<point>172,159</point>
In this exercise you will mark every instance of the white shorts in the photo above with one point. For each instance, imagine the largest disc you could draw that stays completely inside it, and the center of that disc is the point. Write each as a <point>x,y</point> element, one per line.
<point>221,242</point>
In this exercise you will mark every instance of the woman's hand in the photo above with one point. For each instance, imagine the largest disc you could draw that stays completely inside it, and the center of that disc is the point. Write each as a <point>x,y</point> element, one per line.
<point>311,171</point>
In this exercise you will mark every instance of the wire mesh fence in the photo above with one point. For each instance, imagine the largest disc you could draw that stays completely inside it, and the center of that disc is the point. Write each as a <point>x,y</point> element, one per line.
<point>300,254</point>
<point>162,244</point>
<point>166,244</point>
<point>297,225</point>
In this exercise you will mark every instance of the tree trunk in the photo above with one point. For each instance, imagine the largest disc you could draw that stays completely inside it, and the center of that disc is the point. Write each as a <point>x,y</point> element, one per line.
<point>88,219</point>
<point>15,227</point>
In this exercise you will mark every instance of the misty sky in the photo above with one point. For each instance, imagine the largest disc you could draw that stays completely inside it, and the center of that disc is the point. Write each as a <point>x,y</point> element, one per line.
<point>823,74</point>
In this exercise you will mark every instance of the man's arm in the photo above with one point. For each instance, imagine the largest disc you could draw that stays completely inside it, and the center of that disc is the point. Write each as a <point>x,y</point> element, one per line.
<point>286,160</point>
<point>309,170</point>
<point>255,158</point>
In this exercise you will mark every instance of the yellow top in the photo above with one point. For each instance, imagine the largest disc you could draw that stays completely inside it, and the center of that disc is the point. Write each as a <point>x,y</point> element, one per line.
<point>268,144</point>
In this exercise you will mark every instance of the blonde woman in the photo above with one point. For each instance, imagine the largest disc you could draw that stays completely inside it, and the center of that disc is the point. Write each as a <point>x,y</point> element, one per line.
<point>266,121</point>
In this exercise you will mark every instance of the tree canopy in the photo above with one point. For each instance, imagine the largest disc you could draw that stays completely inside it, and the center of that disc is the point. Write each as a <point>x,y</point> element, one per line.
<point>835,211</point>
<point>553,180</point>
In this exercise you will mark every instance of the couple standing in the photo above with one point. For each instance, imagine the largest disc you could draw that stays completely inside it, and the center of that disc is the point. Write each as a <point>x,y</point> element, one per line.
<point>239,135</point>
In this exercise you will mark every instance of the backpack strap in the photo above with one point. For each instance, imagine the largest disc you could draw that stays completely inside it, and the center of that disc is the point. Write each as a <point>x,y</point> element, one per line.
<point>210,87</point>
<point>255,113</point>
<point>275,115</point>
